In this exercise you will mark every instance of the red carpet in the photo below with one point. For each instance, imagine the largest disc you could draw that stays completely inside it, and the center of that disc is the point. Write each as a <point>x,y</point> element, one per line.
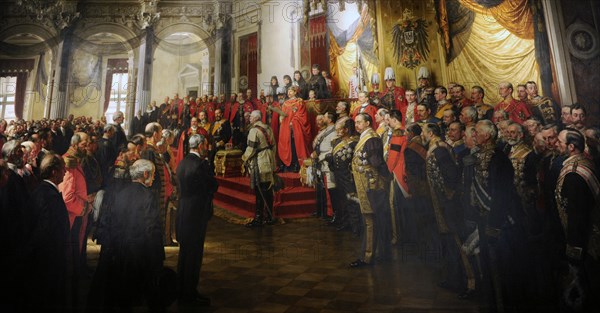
<point>294,201</point>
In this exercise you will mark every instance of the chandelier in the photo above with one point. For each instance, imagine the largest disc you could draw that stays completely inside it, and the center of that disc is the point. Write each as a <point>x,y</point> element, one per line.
<point>40,8</point>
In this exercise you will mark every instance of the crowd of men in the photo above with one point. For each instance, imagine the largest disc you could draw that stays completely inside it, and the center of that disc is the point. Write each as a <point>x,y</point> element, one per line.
<point>66,180</point>
<point>508,194</point>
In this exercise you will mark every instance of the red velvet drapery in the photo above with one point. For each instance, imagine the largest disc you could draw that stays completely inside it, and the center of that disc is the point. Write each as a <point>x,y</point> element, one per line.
<point>319,54</point>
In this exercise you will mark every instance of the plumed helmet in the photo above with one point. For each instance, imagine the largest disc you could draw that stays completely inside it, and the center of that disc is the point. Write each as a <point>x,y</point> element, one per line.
<point>375,78</point>
<point>423,73</point>
<point>389,74</point>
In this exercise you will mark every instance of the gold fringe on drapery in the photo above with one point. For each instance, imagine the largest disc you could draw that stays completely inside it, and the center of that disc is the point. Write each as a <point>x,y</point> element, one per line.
<point>514,15</point>
<point>491,55</point>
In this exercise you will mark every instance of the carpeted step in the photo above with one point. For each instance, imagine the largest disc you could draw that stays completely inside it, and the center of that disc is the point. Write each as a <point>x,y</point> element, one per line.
<point>290,179</point>
<point>235,197</point>
<point>294,201</point>
<point>237,183</point>
<point>295,193</point>
<point>294,209</point>
<point>233,209</point>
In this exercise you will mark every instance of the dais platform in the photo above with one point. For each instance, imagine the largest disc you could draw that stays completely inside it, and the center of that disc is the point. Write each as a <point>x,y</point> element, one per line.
<point>293,201</point>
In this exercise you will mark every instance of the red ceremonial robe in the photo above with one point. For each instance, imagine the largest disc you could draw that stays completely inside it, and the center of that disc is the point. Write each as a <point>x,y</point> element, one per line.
<point>517,111</point>
<point>193,108</point>
<point>185,136</point>
<point>232,111</point>
<point>297,118</point>
<point>210,111</point>
<point>371,110</point>
<point>201,107</point>
<point>255,103</point>
<point>180,107</point>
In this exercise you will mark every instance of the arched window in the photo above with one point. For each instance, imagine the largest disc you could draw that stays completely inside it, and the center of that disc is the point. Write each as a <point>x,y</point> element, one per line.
<point>8,88</point>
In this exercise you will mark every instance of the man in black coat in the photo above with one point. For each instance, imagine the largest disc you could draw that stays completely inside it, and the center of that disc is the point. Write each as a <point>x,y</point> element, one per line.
<point>577,195</point>
<point>137,125</point>
<point>119,140</point>
<point>13,211</point>
<point>196,186</point>
<point>47,245</point>
<point>443,176</point>
<point>60,143</point>
<point>318,84</point>
<point>136,242</point>
<point>501,234</point>
<point>106,153</point>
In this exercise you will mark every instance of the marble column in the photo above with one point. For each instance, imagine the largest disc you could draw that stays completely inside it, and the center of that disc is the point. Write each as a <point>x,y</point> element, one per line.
<point>217,62</point>
<point>144,72</point>
<point>58,101</point>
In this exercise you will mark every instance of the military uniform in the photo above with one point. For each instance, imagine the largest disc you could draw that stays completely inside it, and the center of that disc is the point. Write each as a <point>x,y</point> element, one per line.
<point>401,215</point>
<point>369,172</point>
<point>326,182</point>
<point>525,181</point>
<point>340,163</point>
<point>501,240</point>
<point>220,133</point>
<point>578,201</point>
<point>260,161</point>
<point>444,178</point>
<point>394,99</point>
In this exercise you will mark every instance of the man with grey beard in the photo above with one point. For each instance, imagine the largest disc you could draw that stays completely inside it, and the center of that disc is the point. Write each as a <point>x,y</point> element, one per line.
<point>523,160</point>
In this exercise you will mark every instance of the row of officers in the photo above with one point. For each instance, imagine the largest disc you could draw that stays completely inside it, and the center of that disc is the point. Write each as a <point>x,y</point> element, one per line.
<point>513,224</point>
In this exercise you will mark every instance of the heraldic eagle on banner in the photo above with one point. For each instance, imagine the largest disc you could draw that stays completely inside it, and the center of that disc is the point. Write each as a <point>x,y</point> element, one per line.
<point>409,39</point>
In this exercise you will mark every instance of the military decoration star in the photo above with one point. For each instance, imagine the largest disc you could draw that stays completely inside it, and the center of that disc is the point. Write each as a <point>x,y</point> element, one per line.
<point>409,38</point>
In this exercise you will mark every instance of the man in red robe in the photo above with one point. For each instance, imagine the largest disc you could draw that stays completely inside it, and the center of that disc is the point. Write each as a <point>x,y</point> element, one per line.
<point>199,105</point>
<point>227,106</point>
<point>193,107</point>
<point>294,134</point>
<point>210,109</point>
<point>517,111</point>
<point>365,107</point>
<point>253,100</point>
